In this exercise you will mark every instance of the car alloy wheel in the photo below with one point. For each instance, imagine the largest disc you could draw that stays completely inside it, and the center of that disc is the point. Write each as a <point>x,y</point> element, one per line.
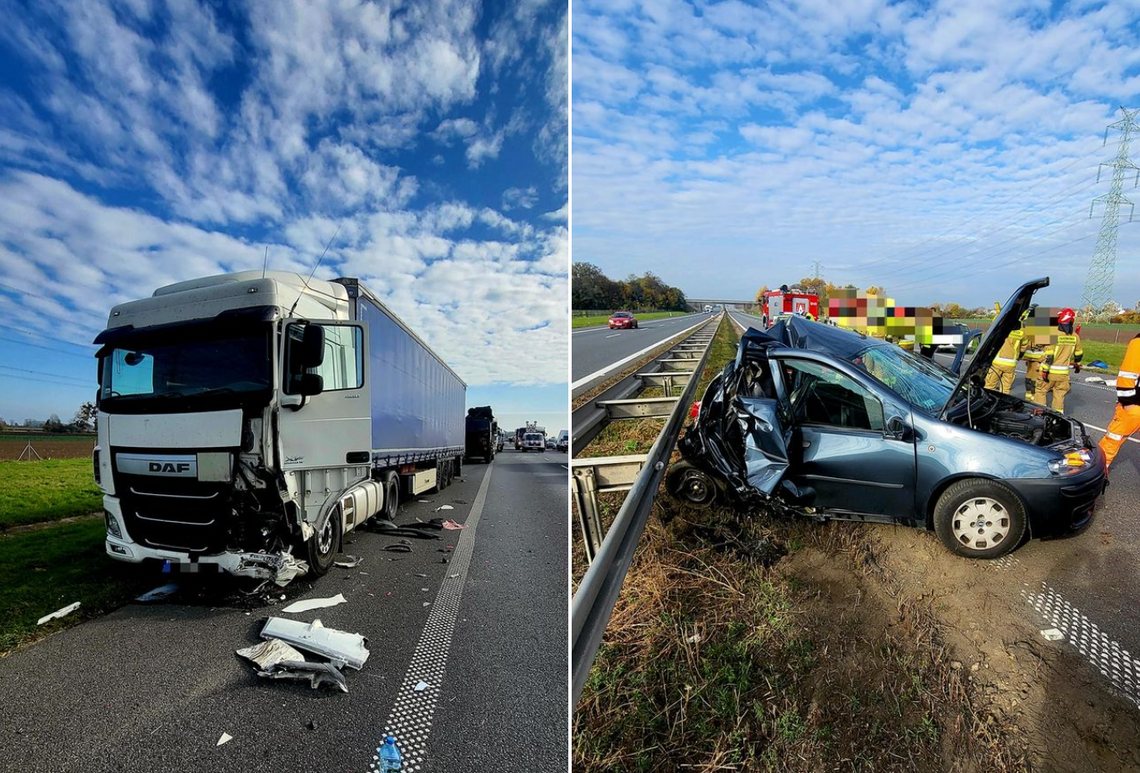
<point>981,523</point>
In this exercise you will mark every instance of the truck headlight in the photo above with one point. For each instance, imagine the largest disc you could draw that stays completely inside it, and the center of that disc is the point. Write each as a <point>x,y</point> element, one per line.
<point>112,525</point>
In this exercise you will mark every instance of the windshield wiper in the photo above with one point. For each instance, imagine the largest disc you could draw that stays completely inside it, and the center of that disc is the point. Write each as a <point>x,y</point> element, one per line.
<point>215,391</point>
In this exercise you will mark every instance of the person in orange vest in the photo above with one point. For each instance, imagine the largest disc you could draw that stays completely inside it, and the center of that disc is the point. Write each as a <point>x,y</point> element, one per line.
<point>1061,358</point>
<point>1000,374</point>
<point>1126,419</point>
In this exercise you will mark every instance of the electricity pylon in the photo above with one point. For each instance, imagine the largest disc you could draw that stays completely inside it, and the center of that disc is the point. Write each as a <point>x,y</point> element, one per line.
<point>1102,267</point>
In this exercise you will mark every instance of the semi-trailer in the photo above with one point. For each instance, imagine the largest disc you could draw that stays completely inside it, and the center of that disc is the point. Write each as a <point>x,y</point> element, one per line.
<point>248,421</point>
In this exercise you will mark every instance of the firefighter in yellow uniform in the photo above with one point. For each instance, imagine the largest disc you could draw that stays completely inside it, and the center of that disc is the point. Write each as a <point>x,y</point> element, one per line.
<point>1000,374</point>
<point>1033,358</point>
<point>1061,359</point>
<point>1126,419</point>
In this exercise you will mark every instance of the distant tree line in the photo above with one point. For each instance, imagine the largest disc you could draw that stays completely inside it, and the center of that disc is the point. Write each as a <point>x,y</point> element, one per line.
<point>83,421</point>
<point>593,290</point>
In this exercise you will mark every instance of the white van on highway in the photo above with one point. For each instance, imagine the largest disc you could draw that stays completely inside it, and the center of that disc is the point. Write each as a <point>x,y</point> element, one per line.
<point>534,441</point>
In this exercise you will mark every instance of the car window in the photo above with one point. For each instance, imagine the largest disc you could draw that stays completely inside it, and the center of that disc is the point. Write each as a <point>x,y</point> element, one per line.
<point>822,396</point>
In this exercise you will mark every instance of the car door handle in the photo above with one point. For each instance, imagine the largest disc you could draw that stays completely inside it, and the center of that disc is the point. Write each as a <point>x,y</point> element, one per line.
<point>807,444</point>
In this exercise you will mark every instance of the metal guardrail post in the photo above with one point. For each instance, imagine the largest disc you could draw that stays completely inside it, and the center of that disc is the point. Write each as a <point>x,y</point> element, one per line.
<point>593,603</point>
<point>586,497</point>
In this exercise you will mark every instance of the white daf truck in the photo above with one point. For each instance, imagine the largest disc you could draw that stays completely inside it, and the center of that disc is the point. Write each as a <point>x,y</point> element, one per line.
<point>248,421</point>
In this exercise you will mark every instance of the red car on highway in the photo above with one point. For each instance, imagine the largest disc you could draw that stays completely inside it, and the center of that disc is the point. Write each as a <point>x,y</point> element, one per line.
<point>623,320</point>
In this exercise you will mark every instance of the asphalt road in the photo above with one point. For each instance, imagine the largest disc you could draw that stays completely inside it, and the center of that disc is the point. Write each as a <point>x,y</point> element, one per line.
<point>1095,573</point>
<point>594,350</point>
<point>151,688</point>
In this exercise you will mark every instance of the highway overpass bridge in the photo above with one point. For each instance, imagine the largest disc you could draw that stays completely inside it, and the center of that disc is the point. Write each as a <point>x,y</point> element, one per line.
<point>698,304</point>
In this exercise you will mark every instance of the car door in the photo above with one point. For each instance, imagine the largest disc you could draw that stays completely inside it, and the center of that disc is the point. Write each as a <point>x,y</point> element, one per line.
<point>332,428</point>
<point>851,445</point>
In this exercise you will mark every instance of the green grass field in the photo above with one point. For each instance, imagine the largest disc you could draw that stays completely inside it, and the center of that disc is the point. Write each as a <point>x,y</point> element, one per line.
<point>601,319</point>
<point>1113,354</point>
<point>47,569</point>
<point>34,492</point>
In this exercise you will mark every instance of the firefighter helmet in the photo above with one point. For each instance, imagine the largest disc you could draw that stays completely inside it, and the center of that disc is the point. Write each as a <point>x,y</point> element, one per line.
<point>1066,315</point>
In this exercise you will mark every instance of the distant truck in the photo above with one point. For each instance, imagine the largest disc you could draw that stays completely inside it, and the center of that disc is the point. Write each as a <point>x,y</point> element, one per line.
<point>249,420</point>
<point>790,301</point>
<point>482,433</point>
<point>708,307</point>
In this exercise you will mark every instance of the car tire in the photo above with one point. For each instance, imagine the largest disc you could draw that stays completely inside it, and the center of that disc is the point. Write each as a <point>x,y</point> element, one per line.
<point>980,518</point>
<point>690,485</point>
<point>322,547</point>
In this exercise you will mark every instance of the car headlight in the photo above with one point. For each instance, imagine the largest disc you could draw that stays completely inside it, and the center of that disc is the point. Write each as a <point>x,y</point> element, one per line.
<point>1070,463</point>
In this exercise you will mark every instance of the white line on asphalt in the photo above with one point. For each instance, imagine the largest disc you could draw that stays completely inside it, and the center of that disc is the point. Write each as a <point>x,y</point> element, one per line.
<point>615,335</point>
<point>410,717</point>
<point>634,356</point>
<point>1105,654</point>
<point>1102,429</point>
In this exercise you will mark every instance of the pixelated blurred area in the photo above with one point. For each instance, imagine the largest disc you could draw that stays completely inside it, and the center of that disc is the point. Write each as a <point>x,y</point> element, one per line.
<point>879,317</point>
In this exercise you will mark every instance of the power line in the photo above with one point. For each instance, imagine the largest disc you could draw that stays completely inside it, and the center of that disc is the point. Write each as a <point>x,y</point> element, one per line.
<point>42,335</point>
<point>46,381</point>
<point>87,357</point>
<point>46,298</point>
<point>82,381</point>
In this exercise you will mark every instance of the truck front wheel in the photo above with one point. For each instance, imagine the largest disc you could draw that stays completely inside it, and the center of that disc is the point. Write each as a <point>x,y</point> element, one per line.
<point>322,546</point>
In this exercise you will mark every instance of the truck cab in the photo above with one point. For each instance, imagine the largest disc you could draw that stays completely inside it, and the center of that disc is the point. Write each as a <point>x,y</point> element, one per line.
<point>237,425</point>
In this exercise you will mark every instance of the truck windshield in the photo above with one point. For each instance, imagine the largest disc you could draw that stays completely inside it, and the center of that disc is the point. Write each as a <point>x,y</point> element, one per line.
<point>919,381</point>
<point>192,363</point>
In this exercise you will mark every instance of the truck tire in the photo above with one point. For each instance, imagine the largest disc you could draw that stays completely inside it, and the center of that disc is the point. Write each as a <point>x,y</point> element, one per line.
<point>458,466</point>
<point>322,547</point>
<point>980,518</point>
<point>391,496</point>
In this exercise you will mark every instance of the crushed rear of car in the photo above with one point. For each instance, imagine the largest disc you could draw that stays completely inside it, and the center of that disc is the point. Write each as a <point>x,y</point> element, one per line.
<point>817,421</point>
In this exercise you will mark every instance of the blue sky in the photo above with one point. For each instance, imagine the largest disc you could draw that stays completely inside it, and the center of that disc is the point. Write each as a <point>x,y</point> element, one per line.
<point>947,151</point>
<point>144,142</point>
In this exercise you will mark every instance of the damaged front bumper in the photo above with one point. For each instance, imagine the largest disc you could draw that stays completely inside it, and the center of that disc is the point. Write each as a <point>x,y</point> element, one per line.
<point>280,567</point>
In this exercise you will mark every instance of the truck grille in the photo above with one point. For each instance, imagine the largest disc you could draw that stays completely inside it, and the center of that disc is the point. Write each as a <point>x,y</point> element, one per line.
<point>180,514</point>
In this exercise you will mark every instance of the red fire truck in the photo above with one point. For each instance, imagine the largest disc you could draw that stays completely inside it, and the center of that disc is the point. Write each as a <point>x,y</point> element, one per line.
<point>793,301</point>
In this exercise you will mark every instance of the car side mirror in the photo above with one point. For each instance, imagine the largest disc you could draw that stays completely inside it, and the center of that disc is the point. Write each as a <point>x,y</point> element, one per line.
<point>898,429</point>
<point>310,384</point>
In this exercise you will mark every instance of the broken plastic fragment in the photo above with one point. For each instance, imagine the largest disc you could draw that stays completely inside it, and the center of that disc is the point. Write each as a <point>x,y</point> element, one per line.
<point>269,653</point>
<point>349,562</point>
<point>453,526</point>
<point>317,674</point>
<point>1052,634</point>
<point>421,686</point>
<point>314,637</point>
<point>225,737</point>
<point>58,613</point>
<point>159,593</point>
<point>306,605</point>
<point>444,507</point>
<point>289,569</point>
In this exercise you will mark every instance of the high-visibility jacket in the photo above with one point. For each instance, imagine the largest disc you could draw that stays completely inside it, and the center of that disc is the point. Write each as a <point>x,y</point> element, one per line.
<point>1129,375</point>
<point>1010,350</point>
<point>1059,357</point>
<point>1033,355</point>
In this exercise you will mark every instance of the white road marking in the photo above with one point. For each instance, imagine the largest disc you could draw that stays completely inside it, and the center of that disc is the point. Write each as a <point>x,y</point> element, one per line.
<point>1105,654</point>
<point>615,335</point>
<point>630,358</point>
<point>1102,429</point>
<point>410,718</point>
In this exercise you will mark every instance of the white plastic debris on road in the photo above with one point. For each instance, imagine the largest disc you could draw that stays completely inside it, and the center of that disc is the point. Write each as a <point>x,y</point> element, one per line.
<point>290,568</point>
<point>270,653</point>
<point>316,674</point>
<point>444,507</point>
<point>307,604</point>
<point>1100,380</point>
<point>348,562</point>
<point>421,686</point>
<point>159,593</point>
<point>225,738</point>
<point>1052,634</point>
<point>58,613</point>
<point>314,637</point>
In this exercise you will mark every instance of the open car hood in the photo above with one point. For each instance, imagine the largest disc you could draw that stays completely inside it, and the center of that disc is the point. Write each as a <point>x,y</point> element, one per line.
<point>1007,320</point>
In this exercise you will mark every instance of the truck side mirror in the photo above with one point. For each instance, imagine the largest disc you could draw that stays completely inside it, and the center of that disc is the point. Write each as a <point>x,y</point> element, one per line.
<point>312,352</point>
<point>310,384</point>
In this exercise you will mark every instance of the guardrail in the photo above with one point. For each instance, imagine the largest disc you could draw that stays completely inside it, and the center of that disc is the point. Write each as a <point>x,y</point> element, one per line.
<point>610,554</point>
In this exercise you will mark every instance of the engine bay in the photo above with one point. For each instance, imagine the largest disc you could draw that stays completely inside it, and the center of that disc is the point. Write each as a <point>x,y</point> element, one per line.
<point>1009,416</point>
